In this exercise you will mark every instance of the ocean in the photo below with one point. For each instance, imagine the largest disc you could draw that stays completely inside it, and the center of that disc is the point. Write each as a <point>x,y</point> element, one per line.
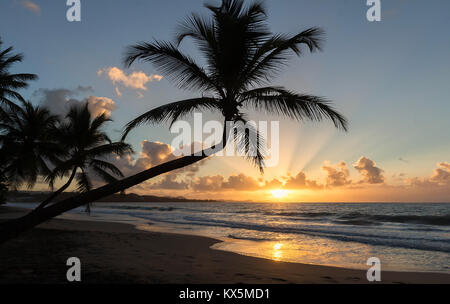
<point>405,237</point>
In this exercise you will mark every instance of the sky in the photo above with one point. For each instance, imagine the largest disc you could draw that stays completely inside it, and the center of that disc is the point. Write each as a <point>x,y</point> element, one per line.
<point>389,78</point>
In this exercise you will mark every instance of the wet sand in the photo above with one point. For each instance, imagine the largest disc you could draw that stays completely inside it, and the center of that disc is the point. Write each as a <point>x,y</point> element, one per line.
<point>119,253</point>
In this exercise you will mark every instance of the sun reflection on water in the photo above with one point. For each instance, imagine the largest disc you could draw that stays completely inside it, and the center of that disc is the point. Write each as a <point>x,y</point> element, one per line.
<point>277,252</point>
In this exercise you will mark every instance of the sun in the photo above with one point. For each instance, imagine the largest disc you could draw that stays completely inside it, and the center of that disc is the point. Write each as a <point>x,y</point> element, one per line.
<point>279,193</point>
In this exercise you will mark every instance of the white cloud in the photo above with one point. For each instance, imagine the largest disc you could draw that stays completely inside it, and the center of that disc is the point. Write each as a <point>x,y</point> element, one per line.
<point>136,80</point>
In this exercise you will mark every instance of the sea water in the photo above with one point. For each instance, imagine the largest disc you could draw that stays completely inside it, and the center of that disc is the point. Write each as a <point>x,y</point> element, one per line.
<point>405,237</point>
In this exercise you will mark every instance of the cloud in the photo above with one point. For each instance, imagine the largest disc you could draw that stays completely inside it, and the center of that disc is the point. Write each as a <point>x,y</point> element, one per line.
<point>337,175</point>
<point>274,184</point>
<point>300,182</point>
<point>100,105</point>
<point>31,6</point>
<point>439,178</point>
<point>135,80</point>
<point>370,172</point>
<point>207,183</point>
<point>153,154</point>
<point>240,182</point>
<point>59,101</point>
<point>169,182</point>
<point>441,175</point>
<point>156,153</point>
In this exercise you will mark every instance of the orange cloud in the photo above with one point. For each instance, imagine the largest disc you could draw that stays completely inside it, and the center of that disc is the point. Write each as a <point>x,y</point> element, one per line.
<point>301,182</point>
<point>207,183</point>
<point>441,175</point>
<point>439,178</point>
<point>240,182</point>
<point>370,172</point>
<point>100,105</point>
<point>169,182</point>
<point>29,5</point>
<point>337,175</point>
<point>135,80</point>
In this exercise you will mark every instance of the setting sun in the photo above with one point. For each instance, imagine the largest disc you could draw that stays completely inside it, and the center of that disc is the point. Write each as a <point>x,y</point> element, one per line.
<point>279,193</point>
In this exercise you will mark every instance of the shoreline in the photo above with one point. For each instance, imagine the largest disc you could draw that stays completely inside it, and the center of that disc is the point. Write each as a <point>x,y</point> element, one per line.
<point>121,253</point>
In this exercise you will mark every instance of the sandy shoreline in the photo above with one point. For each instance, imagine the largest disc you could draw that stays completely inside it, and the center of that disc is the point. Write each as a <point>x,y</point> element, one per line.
<point>119,253</point>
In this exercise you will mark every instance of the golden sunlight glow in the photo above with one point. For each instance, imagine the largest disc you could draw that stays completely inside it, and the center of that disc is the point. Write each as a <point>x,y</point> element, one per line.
<point>279,193</point>
<point>277,246</point>
<point>277,253</point>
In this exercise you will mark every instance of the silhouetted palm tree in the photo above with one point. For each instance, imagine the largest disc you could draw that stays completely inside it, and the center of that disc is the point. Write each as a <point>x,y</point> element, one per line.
<point>88,148</point>
<point>10,83</point>
<point>27,146</point>
<point>241,54</point>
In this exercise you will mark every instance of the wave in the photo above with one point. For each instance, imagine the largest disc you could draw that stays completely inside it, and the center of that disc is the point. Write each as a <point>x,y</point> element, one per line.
<point>436,220</point>
<point>361,219</point>
<point>143,208</point>
<point>357,222</point>
<point>231,236</point>
<point>371,237</point>
<point>303,214</point>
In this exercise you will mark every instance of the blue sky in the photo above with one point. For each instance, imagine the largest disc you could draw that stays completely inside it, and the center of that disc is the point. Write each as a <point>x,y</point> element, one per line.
<point>391,78</point>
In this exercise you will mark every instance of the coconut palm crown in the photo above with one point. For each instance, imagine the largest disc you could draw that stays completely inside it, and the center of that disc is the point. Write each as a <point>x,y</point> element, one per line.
<point>27,148</point>
<point>88,149</point>
<point>10,83</point>
<point>242,56</point>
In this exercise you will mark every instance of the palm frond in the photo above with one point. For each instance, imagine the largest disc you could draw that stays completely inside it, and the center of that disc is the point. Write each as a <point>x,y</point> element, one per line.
<point>103,174</point>
<point>117,148</point>
<point>172,112</point>
<point>104,165</point>
<point>83,181</point>
<point>273,54</point>
<point>63,168</point>
<point>277,100</point>
<point>172,64</point>
<point>249,141</point>
<point>99,121</point>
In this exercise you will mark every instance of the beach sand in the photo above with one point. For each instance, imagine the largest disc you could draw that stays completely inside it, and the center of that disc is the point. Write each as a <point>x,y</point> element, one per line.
<point>119,253</point>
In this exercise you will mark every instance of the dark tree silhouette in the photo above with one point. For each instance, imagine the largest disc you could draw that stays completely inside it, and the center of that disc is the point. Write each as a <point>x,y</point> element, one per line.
<point>3,189</point>
<point>242,56</point>
<point>10,83</point>
<point>88,148</point>
<point>27,144</point>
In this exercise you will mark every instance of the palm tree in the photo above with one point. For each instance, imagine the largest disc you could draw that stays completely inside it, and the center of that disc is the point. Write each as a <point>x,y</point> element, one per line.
<point>10,83</point>
<point>88,146</point>
<point>27,147</point>
<point>242,55</point>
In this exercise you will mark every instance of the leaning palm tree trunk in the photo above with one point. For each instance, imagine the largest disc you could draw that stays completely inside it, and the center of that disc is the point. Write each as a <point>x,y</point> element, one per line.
<point>13,228</point>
